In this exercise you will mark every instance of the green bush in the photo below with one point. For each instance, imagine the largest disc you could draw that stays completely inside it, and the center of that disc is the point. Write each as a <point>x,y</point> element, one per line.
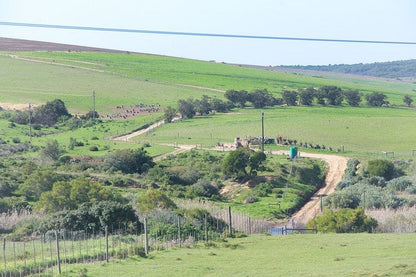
<point>94,148</point>
<point>399,184</point>
<point>343,221</point>
<point>381,168</point>
<point>155,199</point>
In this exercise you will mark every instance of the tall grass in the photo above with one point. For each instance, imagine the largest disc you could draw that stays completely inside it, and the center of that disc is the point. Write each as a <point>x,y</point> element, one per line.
<point>402,220</point>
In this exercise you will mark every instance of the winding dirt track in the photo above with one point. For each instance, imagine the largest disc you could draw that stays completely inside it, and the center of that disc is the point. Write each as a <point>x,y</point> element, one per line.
<point>336,166</point>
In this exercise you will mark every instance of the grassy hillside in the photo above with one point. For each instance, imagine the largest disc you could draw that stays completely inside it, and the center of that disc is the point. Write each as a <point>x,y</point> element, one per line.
<point>126,79</point>
<point>294,255</point>
<point>176,72</point>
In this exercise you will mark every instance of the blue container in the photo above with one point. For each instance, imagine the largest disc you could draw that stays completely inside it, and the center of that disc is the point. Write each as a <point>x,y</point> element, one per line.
<point>293,152</point>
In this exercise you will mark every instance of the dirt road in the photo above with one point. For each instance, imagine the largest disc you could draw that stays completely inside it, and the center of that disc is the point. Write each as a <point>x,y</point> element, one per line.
<point>336,166</point>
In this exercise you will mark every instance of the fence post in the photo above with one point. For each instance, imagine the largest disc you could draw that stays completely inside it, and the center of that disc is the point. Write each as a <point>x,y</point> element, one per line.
<point>230,227</point>
<point>249,225</point>
<point>4,256</point>
<point>179,231</point>
<point>146,237</point>
<point>206,227</point>
<point>106,244</point>
<point>57,253</point>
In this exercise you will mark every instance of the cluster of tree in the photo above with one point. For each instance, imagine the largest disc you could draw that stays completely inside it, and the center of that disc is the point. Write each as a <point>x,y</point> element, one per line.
<point>395,69</point>
<point>326,95</point>
<point>188,108</point>
<point>48,114</point>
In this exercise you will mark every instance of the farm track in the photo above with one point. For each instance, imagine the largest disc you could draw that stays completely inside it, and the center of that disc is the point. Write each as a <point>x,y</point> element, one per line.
<point>336,166</point>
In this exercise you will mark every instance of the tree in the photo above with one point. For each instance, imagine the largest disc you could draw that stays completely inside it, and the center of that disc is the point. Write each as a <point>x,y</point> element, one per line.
<point>333,95</point>
<point>261,98</point>
<point>376,99</point>
<point>50,113</point>
<point>306,96</point>
<point>52,150</point>
<point>220,105</point>
<point>186,108</point>
<point>320,97</point>
<point>169,114</point>
<point>128,161</point>
<point>290,97</point>
<point>238,98</point>
<point>203,106</point>
<point>243,163</point>
<point>353,97</point>
<point>407,99</point>
<point>37,183</point>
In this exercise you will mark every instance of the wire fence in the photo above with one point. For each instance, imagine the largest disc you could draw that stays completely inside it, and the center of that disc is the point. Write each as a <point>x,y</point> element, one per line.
<point>51,253</point>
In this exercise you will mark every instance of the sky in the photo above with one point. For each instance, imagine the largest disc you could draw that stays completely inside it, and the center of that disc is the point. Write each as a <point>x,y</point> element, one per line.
<point>386,20</point>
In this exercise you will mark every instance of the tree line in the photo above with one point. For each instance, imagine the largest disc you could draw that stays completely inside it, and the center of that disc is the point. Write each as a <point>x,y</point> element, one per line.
<point>325,95</point>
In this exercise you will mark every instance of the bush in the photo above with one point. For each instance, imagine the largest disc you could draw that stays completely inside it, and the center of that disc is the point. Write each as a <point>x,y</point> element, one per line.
<point>155,199</point>
<point>399,184</point>
<point>128,161</point>
<point>343,221</point>
<point>183,175</point>
<point>94,148</point>
<point>381,168</point>
<point>205,188</point>
<point>16,140</point>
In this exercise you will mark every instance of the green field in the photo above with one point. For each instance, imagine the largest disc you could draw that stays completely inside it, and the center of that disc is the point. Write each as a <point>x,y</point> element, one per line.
<point>360,130</point>
<point>126,79</point>
<point>259,255</point>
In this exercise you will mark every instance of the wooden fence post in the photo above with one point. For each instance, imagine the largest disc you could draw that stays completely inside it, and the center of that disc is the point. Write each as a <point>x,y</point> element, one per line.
<point>57,253</point>
<point>206,227</point>
<point>230,225</point>
<point>146,237</point>
<point>106,244</point>
<point>4,256</point>
<point>179,231</point>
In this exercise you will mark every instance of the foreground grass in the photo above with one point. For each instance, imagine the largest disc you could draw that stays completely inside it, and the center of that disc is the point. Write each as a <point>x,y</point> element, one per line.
<point>259,255</point>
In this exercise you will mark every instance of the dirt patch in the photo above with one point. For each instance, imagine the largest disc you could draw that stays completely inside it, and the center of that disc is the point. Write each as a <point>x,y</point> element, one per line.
<point>15,107</point>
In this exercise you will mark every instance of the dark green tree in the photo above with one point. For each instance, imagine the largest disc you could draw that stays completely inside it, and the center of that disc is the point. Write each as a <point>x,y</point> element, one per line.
<point>50,113</point>
<point>261,98</point>
<point>333,95</point>
<point>407,99</point>
<point>376,99</point>
<point>306,96</point>
<point>353,97</point>
<point>186,108</point>
<point>238,98</point>
<point>290,98</point>
<point>169,114</point>
<point>243,163</point>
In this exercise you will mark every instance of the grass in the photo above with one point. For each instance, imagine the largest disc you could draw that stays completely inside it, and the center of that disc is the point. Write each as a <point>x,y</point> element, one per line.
<point>259,255</point>
<point>361,130</point>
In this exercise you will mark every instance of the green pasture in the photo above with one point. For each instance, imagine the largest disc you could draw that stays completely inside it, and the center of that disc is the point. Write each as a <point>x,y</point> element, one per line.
<point>37,83</point>
<point>361,130</point>
<point>259,255</point>
<point>165,76</point>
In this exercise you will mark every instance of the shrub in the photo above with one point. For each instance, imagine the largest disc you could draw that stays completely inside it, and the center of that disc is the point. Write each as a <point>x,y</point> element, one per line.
<point>250,199</point>
<point>381,168</point>
<point>183,175</point>
<point>16,140</point>
<point>94,148</point>
<point>343,221</point>
<point>205,188</point>
<point>128,161</point>
<point>155,199</point>
<point>399,184</point>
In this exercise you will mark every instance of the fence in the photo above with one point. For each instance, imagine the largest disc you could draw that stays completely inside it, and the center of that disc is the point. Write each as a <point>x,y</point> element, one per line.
<point>54,251</point>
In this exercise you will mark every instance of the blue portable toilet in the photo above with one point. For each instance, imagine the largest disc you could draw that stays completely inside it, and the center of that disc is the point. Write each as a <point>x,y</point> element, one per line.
<point>293,152</point>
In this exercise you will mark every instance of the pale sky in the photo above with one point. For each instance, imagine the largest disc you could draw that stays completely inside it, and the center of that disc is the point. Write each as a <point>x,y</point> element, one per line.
<point>386,20</point>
